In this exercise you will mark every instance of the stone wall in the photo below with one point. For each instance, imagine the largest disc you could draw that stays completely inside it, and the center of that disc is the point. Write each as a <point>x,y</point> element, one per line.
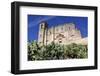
<point>62,34</point>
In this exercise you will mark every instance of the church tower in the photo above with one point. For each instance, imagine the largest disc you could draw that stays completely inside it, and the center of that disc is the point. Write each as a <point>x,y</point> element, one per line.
<point>42,33</point>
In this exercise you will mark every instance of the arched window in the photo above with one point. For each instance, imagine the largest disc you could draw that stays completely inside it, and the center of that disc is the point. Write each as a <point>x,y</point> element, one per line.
<point>61,28</point>
<point>40,35</point>
<point>60,41</point>
<point>69,28</point>
<point>57,29</point>
<point>50,32</point>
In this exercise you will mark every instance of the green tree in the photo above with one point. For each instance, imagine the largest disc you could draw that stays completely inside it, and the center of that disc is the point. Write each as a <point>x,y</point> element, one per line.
<point>54,51</point>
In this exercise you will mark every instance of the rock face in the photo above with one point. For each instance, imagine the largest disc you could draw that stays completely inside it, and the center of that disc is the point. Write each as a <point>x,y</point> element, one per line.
<point>62,34</point>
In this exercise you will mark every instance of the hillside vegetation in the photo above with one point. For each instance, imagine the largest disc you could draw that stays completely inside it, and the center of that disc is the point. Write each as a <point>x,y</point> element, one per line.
<point>56,51</point>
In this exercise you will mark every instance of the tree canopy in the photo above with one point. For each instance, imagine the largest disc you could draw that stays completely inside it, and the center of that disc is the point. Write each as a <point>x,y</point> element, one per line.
<point>55,51</point>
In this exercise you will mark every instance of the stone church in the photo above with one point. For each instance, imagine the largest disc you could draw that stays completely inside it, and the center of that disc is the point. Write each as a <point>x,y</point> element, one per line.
<point>61,34</point>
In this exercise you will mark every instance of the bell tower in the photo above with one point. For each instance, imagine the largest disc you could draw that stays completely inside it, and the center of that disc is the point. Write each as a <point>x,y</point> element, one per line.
<point>42,33</point>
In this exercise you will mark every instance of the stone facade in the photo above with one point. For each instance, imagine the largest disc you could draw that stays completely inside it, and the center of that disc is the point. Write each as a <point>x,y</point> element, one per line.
<point>62,34</point>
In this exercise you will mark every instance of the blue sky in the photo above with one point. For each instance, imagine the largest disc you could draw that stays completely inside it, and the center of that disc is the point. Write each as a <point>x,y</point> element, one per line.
<point>34,21</point>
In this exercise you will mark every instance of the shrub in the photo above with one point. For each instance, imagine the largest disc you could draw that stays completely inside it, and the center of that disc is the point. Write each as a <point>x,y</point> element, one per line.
<point>56,51</point>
